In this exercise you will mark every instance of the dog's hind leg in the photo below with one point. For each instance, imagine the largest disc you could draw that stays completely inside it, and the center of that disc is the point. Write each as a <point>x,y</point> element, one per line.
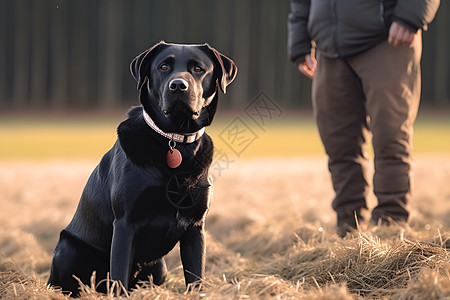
<point>73,257</point>
<point>159,271</point>
<point>156,270</point>
<point>64,265</point>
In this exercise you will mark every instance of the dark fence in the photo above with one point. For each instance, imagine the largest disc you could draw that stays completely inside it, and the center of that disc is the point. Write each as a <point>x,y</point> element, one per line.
<point>65,54</point>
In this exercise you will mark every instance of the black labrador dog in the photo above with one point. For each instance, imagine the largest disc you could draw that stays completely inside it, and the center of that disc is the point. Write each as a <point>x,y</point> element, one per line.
<point>152,189</point>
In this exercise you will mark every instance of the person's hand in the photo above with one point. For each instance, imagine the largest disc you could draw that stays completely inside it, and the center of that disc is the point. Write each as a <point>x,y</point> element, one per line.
<point>399,35</point>
<point>308,66</point>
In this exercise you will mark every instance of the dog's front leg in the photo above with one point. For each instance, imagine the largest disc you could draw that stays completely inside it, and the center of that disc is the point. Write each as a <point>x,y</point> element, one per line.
<point>121,251</point>
<point>192,249</point>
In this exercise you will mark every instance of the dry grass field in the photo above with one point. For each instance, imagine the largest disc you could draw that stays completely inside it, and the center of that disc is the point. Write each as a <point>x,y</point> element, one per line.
<point>270,233</point>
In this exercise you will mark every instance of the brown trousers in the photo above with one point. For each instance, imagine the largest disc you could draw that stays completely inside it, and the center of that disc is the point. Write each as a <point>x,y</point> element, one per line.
<point>376,91</point>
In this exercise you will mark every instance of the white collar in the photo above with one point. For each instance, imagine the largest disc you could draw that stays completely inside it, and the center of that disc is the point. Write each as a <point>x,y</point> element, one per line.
<point>177,137</point>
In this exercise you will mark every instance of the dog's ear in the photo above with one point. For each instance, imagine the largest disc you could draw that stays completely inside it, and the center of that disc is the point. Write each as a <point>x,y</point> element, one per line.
<point>226,68</point>
<point>139,65</point>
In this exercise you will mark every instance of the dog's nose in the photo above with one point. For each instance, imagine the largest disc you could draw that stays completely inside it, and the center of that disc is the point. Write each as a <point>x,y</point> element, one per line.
<point>178,84</point>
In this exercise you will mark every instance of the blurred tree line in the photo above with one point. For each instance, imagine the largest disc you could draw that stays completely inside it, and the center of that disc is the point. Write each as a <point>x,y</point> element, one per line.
<point>75,54</point>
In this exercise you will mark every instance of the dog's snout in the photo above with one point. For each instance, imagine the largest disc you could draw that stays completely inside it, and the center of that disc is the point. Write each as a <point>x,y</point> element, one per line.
<point>178,84</point>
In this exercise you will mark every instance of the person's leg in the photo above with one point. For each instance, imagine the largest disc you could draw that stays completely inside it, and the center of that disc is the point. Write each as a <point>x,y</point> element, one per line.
<point>391,81</point>
<point>339,110</point>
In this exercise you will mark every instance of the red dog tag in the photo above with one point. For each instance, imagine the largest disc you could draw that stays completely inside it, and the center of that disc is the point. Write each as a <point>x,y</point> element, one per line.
<point>173,158</point>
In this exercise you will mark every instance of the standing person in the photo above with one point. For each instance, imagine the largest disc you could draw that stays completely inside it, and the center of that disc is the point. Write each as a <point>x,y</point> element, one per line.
<point>365,77</point>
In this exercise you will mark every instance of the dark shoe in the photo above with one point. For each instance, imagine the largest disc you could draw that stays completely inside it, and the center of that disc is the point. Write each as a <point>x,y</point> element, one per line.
<point>348,222</point>
<point>387,221</point>
<point>342,231</point>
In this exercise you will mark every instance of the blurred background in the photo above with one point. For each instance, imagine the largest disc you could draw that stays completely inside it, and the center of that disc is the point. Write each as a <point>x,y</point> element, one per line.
<point>65,82</point>
<point>75,54</point>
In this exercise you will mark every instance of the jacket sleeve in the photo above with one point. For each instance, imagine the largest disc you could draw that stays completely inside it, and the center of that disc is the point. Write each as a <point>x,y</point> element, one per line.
<point>299,41</point>
<point>415,14</point>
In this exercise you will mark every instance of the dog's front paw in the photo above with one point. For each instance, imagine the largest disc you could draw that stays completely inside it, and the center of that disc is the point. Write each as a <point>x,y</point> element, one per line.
<point>196,286</point>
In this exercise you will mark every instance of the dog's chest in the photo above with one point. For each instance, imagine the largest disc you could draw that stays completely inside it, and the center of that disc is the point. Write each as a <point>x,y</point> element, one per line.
<point>161,212</point>
<point>160,223</point>
<point>160,234</point>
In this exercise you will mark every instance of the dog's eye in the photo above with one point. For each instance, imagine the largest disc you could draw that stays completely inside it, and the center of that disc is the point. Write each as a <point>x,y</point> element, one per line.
<point>198,69</point>
<point>164,67</point>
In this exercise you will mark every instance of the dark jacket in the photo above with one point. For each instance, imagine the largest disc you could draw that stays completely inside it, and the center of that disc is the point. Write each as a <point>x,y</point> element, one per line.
<point>342,28</point>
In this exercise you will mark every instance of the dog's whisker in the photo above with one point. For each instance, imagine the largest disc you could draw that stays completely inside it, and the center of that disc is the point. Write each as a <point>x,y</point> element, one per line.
<point>181,126</point>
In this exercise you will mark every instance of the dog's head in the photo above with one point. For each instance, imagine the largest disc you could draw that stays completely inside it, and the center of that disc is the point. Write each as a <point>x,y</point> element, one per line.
<point>179,84</point>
